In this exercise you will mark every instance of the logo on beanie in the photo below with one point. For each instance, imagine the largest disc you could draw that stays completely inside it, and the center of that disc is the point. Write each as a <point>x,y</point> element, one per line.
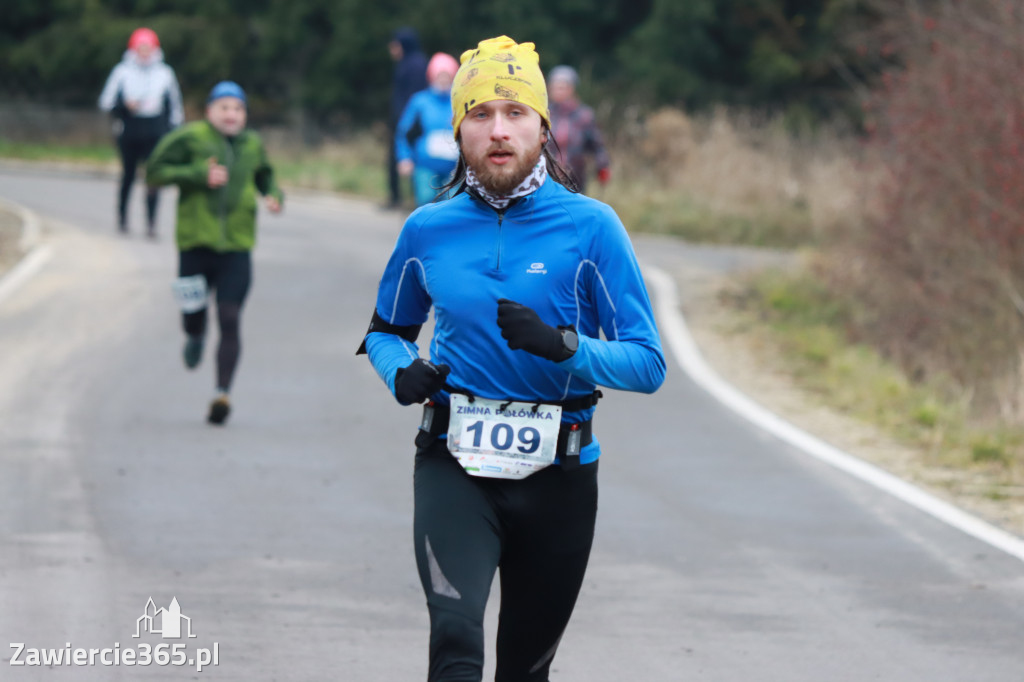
<point>505,93</point>
<point>470,75</point>
<point>504,57</point>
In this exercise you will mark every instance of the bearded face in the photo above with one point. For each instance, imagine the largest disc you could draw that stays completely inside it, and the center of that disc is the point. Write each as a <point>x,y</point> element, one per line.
<point>502,142</point>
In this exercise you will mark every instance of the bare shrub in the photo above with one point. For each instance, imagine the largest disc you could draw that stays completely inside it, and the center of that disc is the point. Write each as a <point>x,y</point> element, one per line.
<point>940,265</point>
<point>738,165</point>
<point>667,141</point>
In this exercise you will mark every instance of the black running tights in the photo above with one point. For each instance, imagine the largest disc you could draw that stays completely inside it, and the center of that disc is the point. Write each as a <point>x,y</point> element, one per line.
<point>133,152</point>
<point>229,274</point>
<point>537,532</point>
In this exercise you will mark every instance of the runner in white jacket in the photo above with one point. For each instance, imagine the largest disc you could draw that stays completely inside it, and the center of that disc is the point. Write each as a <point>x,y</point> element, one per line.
<point>143,94</point>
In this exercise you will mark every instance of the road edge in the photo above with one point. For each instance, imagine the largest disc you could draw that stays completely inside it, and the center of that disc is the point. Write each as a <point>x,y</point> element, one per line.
<point>688,356</point>
<point>35,253</point>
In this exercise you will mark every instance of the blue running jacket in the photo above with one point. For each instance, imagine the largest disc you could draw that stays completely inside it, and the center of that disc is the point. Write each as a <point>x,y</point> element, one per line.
<point>563,254</point>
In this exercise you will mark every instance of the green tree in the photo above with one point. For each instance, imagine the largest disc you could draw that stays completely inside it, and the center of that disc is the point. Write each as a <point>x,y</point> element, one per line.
<point>761,53</point>
<point>328,58</point>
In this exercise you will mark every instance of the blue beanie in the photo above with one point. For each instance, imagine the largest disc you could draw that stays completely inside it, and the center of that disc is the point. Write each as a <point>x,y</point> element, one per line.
<point>226,89</point>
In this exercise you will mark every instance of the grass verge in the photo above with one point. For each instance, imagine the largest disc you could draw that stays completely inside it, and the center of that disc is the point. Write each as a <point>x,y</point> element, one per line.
<point>57,152</point>
<point>686,215</point>
<point>354,167</point>
<point>804,323</point>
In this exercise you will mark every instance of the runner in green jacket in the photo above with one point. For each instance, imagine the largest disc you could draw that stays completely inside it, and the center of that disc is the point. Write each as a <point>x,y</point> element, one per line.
<point>219,167</point>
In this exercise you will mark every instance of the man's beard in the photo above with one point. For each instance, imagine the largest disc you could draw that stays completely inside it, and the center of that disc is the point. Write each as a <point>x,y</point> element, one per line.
<point>503,180</point>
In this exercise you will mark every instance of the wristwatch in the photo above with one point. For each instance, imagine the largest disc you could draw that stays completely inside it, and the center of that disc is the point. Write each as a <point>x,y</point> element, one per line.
<point>570,342</point>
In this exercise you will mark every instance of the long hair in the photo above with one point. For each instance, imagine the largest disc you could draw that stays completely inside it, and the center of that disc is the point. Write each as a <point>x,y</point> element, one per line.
<point>549,151</point>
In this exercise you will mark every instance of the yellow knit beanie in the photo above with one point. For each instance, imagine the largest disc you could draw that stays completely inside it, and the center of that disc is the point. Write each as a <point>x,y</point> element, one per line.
<point>499,68</point>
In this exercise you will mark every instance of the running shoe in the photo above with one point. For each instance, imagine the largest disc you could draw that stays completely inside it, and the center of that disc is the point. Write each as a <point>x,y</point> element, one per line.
<point>220,408</point>
<point>193,351</point>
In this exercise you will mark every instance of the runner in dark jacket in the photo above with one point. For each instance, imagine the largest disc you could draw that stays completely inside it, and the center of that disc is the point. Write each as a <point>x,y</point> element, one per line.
<point>410,77</point>
<point>574,128</point>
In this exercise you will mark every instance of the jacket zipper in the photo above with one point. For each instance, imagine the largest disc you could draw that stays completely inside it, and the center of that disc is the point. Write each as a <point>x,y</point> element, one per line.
<point>229,158</point>
<point>501,218</point>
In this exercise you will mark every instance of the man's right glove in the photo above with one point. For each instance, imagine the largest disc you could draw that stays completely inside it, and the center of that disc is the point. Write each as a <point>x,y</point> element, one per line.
<point>419,381</point>
<point>522,327</point>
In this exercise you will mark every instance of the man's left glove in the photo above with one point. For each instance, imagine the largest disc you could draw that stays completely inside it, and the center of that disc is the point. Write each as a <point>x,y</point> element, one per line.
<point>524,330</point>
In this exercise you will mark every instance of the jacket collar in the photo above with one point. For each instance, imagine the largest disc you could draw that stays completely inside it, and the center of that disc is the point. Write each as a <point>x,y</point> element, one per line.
<point>549,187</point>
<point>530,184</point>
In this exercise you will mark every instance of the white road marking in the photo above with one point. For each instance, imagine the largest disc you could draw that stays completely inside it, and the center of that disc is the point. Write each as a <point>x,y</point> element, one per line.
<point>24,270</point>
<point>36,254</point>
<point>684,348</point>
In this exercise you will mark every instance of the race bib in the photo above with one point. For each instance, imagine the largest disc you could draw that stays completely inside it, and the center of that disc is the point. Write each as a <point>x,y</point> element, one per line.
<point>513,442</point>
<point>441,145</point>
<point>190,293</point>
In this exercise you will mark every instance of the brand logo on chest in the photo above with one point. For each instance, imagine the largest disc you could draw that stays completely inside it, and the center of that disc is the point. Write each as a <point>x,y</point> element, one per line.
<point>537,269</point>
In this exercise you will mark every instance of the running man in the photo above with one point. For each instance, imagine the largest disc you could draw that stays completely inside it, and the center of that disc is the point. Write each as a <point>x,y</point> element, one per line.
<point>219,167</point>
<point>409,77</point>
<point>143,93</point>
<point>523,274</point>
<point>574,128</point>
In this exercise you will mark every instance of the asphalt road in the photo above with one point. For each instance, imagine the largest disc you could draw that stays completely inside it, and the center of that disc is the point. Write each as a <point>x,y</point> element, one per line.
<point>721,552</point>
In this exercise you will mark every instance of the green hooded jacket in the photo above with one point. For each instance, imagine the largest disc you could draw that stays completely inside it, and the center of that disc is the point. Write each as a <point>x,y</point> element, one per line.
<point>222,218</point>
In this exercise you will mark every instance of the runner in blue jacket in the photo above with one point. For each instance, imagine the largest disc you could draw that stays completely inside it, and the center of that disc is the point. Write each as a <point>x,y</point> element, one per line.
<point>564,255</point>
<point>424,140</point>
<point>537,300</point>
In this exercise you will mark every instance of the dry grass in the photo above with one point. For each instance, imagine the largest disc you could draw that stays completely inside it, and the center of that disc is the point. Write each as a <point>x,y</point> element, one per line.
<point>10,239</point>
<point>778,337</point>
<point>731,178</point>
<point>803,322</point>
<point>353,165</point>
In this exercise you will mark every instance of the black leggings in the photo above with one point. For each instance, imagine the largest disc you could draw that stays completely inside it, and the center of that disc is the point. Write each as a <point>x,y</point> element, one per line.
<point>229,274</point>
<point>133,151</point>
<point>394,179</point>
<point>537,531</point>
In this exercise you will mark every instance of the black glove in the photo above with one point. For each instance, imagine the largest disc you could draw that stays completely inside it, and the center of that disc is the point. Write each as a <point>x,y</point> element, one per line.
<point>523,329</point>
<point>419,381</point>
